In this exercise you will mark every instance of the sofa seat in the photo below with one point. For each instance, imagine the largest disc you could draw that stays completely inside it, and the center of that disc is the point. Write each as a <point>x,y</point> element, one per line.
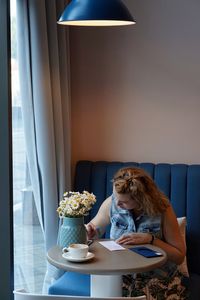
<point>73,284</point>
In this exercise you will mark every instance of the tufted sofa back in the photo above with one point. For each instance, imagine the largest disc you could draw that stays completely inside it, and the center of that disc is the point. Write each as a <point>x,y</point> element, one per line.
<point>180,182</point>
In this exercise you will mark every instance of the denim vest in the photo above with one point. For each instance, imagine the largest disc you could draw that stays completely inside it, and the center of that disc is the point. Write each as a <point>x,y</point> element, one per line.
<point>122,222</point>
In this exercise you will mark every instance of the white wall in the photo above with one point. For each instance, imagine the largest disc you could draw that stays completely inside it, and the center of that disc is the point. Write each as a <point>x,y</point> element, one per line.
<point>136,90</point>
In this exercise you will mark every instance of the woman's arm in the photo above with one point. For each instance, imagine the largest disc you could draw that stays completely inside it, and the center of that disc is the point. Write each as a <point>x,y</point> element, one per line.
<point>173,243</point>
<point>101,220</point>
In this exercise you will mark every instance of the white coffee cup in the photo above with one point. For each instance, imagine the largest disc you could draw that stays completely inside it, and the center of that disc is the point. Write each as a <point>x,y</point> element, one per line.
<point>76,250</point>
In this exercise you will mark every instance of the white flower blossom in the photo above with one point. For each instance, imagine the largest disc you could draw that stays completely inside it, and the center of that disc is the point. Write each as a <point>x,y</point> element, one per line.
<point>76,204</point>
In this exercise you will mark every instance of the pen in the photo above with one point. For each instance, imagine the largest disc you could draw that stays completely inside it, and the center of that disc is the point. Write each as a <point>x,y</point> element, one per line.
<point>89,242</point>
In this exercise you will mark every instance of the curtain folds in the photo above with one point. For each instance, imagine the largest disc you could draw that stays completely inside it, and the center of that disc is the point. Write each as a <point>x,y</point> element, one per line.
<point>43,53</point>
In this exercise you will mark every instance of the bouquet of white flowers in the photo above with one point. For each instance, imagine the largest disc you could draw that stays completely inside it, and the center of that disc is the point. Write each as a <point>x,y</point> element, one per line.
<point>75,204</point>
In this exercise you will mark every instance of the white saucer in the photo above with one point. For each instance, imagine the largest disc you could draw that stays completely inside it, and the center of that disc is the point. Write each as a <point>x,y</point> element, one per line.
<point>68,257</point>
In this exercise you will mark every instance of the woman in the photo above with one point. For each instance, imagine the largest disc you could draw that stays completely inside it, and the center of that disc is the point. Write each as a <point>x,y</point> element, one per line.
<point>141,214</point>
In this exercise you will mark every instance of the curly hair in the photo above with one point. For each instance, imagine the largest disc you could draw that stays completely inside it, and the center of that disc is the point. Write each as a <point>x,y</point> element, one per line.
<point>141,187</point>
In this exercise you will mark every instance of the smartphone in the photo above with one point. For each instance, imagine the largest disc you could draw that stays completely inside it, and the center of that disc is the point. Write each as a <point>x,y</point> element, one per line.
<point>146,252</point>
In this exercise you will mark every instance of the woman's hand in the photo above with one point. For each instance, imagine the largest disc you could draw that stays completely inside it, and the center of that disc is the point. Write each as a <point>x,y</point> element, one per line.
<point>96,227</point>
<point>135,238</point>
<point>91,230</point>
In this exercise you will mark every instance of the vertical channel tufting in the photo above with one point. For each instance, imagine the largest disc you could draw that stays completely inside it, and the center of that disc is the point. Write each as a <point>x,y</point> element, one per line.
<point>162,177</point>
<point>112,168</point>
<point>179,189</point>
<point>130,164</point>
<point>82,176</point>
<point>193,217</point>
<point>98,184</point>
<point>148,167</point>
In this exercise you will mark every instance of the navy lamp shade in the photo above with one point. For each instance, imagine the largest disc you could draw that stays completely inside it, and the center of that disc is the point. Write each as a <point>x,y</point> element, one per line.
<point>96,13</point>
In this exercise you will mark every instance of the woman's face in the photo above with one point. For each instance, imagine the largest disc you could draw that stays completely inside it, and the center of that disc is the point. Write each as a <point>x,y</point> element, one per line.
<point>125,201</point>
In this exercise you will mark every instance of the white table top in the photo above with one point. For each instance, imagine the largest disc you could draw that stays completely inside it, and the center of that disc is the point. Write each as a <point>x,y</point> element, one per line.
<point>108,262</point>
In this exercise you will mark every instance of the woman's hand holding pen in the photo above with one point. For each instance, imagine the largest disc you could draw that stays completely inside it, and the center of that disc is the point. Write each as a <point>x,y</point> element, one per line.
<point>91,230</point>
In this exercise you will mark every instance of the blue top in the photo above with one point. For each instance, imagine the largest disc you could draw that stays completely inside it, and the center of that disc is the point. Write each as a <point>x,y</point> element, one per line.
<point>123,222</point>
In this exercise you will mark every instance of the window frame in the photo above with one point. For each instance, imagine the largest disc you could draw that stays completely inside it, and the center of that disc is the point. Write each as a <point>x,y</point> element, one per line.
<point>6,203</point>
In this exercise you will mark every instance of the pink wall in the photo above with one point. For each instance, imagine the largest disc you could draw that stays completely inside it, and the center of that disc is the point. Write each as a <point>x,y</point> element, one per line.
<point>136,90</point>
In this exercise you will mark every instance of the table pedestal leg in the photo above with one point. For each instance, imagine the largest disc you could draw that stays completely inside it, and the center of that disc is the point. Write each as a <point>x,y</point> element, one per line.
<point>106,285</point>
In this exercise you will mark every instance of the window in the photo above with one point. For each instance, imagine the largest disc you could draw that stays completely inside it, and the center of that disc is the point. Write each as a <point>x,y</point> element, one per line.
<point>29,252</point>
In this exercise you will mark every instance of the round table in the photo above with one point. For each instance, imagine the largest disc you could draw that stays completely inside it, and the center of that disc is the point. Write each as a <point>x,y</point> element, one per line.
<point>107,267</point>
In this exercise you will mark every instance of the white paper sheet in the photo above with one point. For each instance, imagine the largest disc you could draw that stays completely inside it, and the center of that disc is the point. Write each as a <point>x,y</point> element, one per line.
<point>111,245</point>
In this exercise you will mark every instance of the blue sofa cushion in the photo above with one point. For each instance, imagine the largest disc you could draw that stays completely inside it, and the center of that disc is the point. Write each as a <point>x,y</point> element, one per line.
<point>70,283</point>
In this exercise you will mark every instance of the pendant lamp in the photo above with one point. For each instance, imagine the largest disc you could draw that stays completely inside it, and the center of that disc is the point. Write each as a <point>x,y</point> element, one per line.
<point>96,13</point>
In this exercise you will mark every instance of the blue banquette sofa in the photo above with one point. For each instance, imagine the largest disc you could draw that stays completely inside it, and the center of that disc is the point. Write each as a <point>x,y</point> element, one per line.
<point>180,182</point>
